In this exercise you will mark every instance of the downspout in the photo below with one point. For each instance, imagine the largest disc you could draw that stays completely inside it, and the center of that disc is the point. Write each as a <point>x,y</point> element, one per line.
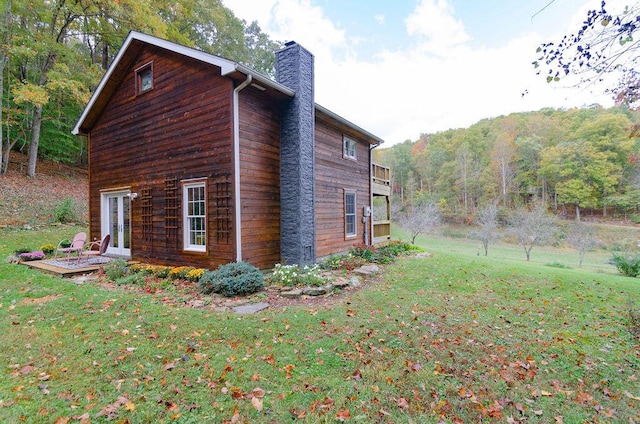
<point>236,167</point>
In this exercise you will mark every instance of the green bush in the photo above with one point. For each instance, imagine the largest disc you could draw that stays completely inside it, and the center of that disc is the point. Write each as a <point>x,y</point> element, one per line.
<point>627,265</point>
<point>20,250</point>
<point>233,279</point>
<point>116,269</point>
<point>66,211</point>
<point>557,264</point>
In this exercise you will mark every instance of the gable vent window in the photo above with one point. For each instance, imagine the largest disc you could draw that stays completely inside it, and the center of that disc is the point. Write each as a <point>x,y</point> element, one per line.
<point>144,78</point>
<point>349,148</point>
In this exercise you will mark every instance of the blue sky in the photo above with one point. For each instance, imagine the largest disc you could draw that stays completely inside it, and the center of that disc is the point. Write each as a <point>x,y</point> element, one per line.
<point>405,67</point>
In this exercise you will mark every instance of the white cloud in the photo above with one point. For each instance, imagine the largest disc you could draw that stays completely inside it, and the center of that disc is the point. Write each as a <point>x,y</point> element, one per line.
<point>379,19</point>
<point>435,20</point>
<point>434,83</point>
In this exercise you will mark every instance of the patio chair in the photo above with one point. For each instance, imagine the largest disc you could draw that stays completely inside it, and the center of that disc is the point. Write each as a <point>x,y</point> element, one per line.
<point>96,248</point>
<point>76,246</point>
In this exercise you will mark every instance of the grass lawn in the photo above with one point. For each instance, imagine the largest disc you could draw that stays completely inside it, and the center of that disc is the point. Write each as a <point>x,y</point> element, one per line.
<point>455,337</point>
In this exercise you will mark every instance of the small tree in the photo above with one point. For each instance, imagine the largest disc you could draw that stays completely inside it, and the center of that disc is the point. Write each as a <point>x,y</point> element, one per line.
<point>582,237</point>
<point>532,226</point>
<point>487,220</point>
<point>419,219</point>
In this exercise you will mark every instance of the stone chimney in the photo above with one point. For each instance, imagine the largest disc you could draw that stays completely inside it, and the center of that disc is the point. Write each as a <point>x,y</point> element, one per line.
<point>294,69</point>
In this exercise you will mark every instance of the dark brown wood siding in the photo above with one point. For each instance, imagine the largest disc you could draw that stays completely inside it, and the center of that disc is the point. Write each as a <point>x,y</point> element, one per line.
<point>179,130</point>
<point>260,177</point>
<point>335,175</point>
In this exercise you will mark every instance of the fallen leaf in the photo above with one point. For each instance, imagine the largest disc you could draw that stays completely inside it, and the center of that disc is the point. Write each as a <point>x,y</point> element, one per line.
<point>343,415</point>
<point>630,396</point>
<point>129,406</point>
<point>256,403</point>
<point>402,403</point>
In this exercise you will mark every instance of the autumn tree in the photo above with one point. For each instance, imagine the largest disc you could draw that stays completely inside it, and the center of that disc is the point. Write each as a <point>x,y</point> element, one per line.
<point>532,226</point>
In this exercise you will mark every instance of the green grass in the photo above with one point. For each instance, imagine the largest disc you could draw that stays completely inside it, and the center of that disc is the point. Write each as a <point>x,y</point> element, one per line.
<point>596,260</point>
<point>455,337</point>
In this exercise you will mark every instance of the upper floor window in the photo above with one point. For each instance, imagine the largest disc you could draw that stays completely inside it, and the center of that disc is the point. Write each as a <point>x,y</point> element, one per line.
<point>195,216</point>
<point>348,148</point>
<point>144,78</point>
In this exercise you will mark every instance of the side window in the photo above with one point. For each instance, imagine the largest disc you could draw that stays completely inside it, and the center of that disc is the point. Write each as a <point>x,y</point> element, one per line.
<point>350,229</point>
<point>144,78</point>
<point>195,216</point>
<point>348,148</point>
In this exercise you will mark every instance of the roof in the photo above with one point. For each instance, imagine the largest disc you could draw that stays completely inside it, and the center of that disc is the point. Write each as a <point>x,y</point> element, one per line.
<point>136,40</point>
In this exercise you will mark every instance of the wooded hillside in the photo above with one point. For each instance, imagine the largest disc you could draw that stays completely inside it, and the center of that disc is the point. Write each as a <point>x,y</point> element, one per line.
<point>576,160</point>
<point>53,54</point>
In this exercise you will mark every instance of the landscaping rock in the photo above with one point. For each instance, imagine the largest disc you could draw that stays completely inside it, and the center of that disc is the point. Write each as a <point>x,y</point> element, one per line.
<point>367,270</point>
<point>314,291</point>
<point>340,283</point>
<point>292,294</point>
<point>355,282</point>
<point>197,303</point>
<point>251,308</point>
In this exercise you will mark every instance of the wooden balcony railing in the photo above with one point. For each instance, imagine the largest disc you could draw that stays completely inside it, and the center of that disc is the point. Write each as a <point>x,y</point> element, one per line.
<point>381,174</point>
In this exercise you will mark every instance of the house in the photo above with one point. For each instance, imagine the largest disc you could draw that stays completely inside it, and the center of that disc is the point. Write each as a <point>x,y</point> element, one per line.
<point>198,160</point>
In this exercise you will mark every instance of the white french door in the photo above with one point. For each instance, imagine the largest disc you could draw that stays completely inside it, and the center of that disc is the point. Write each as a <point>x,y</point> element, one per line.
<point>116,221</point>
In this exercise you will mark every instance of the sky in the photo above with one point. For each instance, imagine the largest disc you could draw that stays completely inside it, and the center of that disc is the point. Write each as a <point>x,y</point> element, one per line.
<point>403,68</point>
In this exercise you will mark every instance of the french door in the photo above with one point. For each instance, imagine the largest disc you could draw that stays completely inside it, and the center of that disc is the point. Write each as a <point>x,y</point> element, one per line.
<point>116,221</point>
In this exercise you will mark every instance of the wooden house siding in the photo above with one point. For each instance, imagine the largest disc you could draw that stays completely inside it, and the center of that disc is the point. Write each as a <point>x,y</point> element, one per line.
<point>334,175</point>
<point>259,118</point>
<point>179,130</point>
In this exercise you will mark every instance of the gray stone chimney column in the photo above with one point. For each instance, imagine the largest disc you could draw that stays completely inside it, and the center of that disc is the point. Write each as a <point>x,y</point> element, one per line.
<point>294,69</point>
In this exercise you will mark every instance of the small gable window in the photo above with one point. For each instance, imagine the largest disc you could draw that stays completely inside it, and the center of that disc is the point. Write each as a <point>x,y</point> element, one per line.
<point>144,78</point>
<point>349,148</point>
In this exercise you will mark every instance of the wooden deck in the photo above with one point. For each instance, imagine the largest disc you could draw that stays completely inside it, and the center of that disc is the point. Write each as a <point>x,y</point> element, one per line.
<point>60,271</point>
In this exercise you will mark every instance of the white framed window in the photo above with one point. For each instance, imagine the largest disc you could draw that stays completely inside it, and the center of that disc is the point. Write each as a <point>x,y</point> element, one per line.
<point>144,78</point>
<point>350,227</point>
<point>194,201</point>
<point>348,148</point>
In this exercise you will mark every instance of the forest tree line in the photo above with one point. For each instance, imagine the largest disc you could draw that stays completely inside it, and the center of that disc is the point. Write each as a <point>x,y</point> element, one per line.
<point>53,54</point>
<point>577,161</point>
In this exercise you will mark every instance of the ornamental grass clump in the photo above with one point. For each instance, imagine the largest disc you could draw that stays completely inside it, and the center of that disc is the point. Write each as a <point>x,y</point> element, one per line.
<point>233,279</point>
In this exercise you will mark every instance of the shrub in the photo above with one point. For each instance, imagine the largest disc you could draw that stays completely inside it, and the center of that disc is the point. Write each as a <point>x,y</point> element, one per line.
<point>366,253</point>
<point>116,269</point>
<point>48,248</point>
<point>65,211</point>
<point>195,274</point>
<point>180,272</point>
<point>557,264</point>
<point>293,275</point>
<point>626,264</point>
<point>32,256</point>
<point>233,279</point>
<point>21,250</point>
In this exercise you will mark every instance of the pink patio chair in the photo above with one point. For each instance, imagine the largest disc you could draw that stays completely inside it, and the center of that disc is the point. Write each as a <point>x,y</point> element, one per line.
<point>96,248</point>
<point>76,246</point>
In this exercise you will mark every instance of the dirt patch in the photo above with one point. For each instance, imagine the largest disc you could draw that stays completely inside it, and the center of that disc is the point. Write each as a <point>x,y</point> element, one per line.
<point>32,201</point>
<point>39,300</point>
